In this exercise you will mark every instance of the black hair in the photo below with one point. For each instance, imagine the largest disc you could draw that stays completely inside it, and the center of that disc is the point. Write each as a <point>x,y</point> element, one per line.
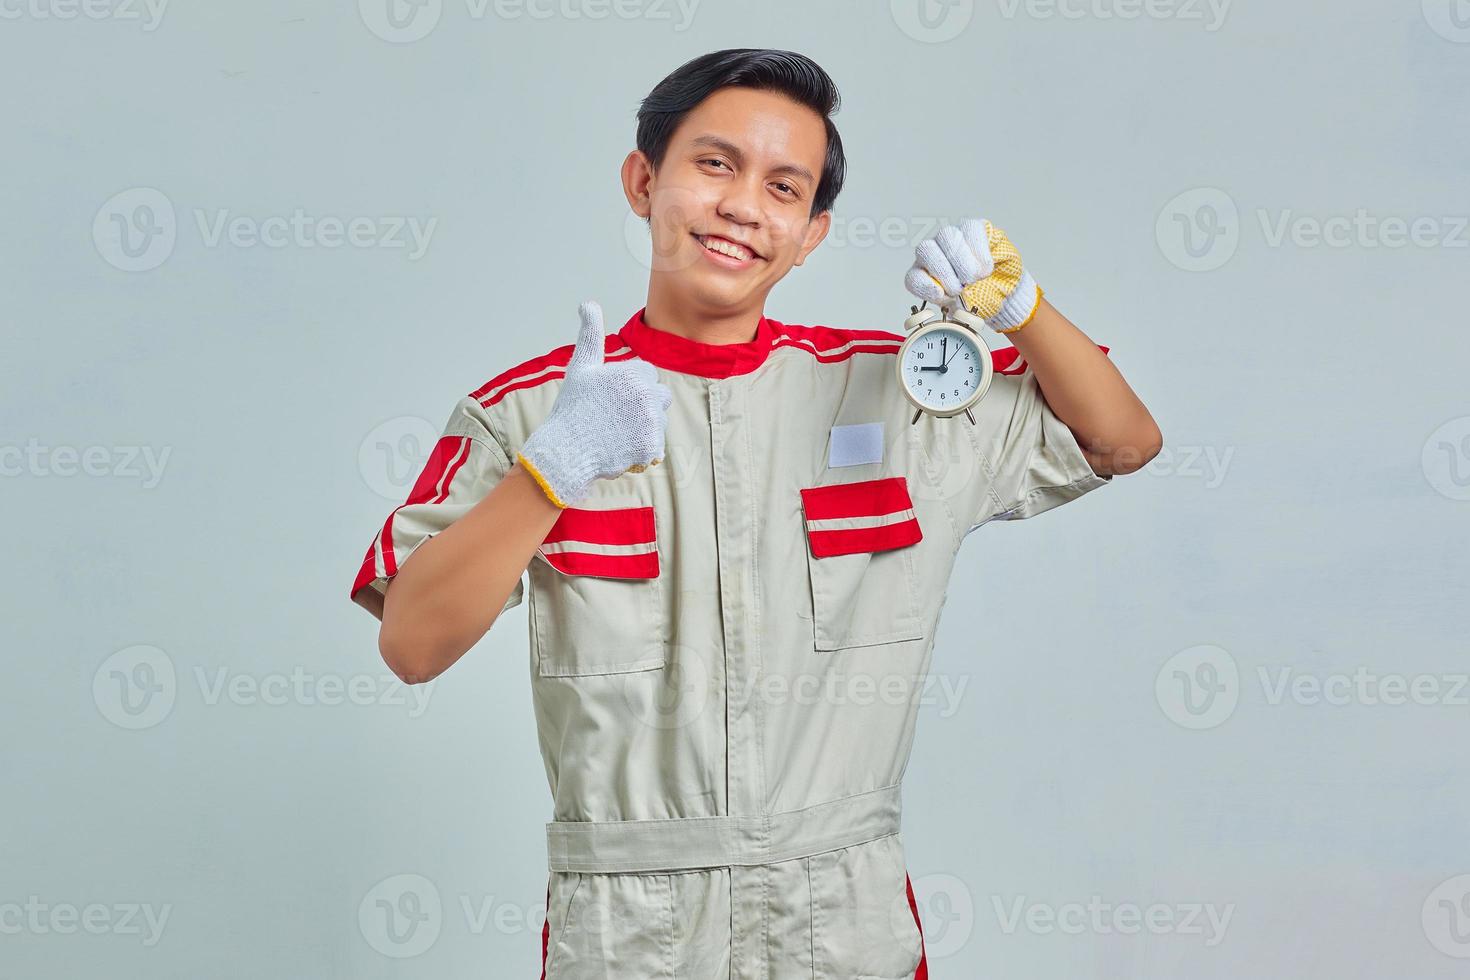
<point>794,75</point>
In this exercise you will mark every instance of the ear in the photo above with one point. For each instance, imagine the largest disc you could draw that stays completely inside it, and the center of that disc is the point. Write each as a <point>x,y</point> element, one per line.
<point>816,230</point>
<point>637,183</point>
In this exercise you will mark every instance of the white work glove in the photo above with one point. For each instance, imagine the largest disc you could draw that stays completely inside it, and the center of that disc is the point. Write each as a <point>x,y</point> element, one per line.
<point>975,264</point>
<point>607,419</point>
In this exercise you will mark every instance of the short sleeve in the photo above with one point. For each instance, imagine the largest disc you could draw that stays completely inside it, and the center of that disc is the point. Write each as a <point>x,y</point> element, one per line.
<point>465,464</point>
<point>1029,456</point>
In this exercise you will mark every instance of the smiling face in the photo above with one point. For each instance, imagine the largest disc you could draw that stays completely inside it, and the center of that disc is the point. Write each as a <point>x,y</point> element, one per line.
<point>730,204</point>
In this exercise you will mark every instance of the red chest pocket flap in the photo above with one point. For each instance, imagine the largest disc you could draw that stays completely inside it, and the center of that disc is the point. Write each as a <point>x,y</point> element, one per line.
<point>873,515</point>
<point>617,542</point>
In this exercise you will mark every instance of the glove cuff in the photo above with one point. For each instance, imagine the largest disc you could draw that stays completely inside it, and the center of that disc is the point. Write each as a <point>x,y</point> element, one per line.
<point>1019,307</point>
<point>541,481</point>
<point>564,474</point>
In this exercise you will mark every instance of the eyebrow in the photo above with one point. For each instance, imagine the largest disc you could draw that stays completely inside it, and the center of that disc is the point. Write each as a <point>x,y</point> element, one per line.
<point>725,146</point>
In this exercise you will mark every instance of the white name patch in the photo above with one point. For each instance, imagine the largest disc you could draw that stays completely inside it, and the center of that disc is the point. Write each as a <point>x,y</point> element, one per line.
<point>853,445</point>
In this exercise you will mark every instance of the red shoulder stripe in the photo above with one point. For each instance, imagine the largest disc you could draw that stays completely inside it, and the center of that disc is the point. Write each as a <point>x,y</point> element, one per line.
<point>832,344</point>
<point>431,487</point>
<point>529,374</point>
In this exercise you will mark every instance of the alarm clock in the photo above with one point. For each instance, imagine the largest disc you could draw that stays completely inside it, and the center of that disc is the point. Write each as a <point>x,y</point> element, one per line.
<point>943,365</point>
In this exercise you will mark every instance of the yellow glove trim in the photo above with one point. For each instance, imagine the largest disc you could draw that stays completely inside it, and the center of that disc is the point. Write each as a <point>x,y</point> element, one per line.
<point>985,297</point>
<point>541,480</point>
<point>1039,295</point>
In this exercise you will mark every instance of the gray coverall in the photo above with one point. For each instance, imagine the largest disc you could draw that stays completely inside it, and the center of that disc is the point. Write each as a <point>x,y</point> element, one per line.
<point>727,650</point>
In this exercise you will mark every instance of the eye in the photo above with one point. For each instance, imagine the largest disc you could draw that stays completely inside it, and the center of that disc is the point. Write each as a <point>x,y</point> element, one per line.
<point>786,188</point>
<point>712,160</point>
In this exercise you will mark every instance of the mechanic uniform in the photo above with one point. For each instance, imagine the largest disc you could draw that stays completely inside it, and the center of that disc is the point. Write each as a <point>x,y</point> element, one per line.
<point>727,650</point>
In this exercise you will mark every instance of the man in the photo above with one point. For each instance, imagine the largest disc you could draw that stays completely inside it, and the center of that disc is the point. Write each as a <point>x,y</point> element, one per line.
<point>731,528</point>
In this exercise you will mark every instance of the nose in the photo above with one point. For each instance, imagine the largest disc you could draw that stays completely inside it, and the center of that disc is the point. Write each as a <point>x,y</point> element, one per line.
<point>741,202</point>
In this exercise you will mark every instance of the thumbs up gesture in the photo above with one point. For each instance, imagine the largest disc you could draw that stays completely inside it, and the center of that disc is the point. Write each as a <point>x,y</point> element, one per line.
<point>608,419</point>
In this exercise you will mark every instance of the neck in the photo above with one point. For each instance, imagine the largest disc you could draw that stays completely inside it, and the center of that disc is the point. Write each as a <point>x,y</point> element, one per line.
<point>695,321</point>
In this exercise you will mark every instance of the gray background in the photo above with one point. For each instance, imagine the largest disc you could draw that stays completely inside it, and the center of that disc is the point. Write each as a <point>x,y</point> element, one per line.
<point>1121,737</point>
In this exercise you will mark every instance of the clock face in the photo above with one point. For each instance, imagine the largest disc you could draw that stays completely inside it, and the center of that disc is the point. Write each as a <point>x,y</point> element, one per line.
<point>942,369</point>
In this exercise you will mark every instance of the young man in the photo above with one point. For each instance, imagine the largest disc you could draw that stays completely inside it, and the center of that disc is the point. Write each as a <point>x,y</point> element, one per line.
<point>737,551</point>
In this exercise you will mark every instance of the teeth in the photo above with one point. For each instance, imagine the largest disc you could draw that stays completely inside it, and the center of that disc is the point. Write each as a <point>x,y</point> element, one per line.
<point>725,248</point>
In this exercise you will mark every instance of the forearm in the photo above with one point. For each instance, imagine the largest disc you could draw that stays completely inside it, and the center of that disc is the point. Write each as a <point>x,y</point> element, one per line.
<point>1088,393</point>
<point>450,590</point>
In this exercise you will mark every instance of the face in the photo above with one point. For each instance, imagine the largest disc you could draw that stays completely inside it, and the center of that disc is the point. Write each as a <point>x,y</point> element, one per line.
<point>730,203</point>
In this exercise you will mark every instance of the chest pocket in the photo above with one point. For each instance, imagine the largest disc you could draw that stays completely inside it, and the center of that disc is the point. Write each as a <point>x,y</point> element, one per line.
<point>595,603</point>
<point>860,558</point>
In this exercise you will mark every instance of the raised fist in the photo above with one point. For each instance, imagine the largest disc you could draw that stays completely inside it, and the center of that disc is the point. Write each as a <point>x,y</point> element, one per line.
<point>975,264</point>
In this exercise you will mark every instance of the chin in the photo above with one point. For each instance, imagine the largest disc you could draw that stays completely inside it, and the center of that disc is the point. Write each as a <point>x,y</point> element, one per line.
<point>719,291</point>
